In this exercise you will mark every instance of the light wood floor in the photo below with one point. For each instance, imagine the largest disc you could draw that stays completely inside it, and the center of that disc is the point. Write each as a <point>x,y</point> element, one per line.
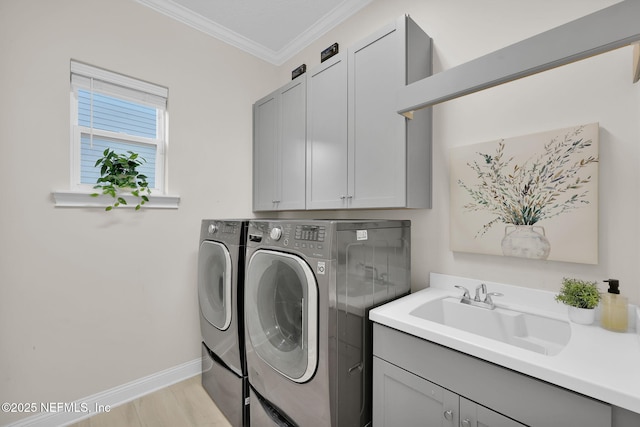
<point>185,404</point>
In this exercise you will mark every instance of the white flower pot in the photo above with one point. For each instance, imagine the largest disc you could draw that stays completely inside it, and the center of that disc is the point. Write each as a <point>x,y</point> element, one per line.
<point>583,316</point>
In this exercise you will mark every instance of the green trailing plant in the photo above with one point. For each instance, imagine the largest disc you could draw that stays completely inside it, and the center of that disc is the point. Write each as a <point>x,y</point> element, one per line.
<point>579,293</point>
<point>541,188</point>
<point>118,173</point>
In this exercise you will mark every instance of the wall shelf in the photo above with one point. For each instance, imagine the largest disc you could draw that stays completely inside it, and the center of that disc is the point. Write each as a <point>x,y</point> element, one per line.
<point>607,29</point>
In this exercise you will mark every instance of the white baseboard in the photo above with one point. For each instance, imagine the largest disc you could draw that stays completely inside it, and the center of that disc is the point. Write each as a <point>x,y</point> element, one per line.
<point>113,397</point>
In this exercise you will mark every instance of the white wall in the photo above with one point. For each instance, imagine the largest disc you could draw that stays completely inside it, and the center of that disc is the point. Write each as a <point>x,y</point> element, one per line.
<point>91,300</point>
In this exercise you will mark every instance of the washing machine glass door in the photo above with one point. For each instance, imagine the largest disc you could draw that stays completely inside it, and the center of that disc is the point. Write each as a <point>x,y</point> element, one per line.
<point>214,283</point>
<point>281,313</point>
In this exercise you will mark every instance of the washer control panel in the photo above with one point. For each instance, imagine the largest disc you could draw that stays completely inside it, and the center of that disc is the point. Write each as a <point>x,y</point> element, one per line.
<point>311,233</point>
<point>308,238</point>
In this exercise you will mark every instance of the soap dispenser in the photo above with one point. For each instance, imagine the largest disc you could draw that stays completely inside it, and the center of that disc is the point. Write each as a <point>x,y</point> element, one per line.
<point>614,315</point>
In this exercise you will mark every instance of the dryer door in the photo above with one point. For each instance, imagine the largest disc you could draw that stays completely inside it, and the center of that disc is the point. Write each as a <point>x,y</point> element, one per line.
<point>214,283</point>
<point>281,313</point>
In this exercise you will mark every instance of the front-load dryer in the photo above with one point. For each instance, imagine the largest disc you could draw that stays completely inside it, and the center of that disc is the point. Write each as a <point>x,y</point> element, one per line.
<point>309,286</point>
<point>221,261</point>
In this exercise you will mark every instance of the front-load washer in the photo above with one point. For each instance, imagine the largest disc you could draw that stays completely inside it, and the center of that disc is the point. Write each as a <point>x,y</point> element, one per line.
<point>221,262</point>
<point>309,286</point>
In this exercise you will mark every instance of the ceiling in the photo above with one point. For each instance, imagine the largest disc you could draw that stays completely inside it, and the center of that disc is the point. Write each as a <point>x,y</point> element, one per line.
<point>273,30</point>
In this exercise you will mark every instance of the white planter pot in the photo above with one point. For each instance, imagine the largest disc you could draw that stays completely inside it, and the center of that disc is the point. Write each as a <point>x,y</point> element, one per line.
<point>583,316</point>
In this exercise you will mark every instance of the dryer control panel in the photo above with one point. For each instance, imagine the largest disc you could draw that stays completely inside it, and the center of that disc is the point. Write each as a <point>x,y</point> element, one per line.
<point>231,232</point>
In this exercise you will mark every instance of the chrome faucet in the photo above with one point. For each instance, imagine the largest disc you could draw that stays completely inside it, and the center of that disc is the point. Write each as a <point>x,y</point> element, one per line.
<point>478,301</point>
<point>480,288</point>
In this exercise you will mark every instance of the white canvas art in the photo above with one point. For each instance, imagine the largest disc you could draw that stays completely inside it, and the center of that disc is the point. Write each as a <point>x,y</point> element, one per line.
<point>533,196</point>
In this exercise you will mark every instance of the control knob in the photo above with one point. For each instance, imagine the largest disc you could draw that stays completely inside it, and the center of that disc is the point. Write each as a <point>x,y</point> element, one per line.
<point>276,233</point>
<point>212,228</point>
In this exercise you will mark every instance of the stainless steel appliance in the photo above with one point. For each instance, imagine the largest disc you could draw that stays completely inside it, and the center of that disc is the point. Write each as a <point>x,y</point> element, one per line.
<point>309,285</point>
<point>221,261</point>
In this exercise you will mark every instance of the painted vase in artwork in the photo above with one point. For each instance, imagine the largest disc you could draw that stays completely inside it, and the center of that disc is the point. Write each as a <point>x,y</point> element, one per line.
<point>525,241</point>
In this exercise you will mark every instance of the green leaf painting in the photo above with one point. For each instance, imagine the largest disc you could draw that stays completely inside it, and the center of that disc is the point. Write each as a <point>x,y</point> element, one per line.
<point>545,183</point>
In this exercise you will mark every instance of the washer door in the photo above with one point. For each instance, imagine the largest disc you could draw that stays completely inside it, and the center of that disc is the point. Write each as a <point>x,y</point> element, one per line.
<point>214,283</point>
<point>281,313</point>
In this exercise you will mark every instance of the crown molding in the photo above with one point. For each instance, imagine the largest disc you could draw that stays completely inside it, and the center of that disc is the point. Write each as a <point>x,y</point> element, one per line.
<point>331,20</point>
<point>200,23</point>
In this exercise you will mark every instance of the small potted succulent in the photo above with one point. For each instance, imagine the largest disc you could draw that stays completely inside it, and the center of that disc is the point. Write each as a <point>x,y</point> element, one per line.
<point>119,175</point>
<point>581,297</point>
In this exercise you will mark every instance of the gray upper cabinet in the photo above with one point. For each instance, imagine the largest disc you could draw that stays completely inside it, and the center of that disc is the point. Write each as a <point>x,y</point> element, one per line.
<point>389,156</point>
<point>279,144</point>
<point>327,134</point>
<point>360,153</point>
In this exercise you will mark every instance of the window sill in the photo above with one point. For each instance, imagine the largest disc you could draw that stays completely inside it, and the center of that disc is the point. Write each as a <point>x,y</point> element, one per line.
<point>77,199</point>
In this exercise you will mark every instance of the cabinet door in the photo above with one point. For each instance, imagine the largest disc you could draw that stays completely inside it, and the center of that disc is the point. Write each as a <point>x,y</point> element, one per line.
<point>404,399</point>
<point>290,166</point>
<point>266,123</point>
<point>474,415</point>
<point>279,144</point>
<point>377,133</point>
<point>327,134</point>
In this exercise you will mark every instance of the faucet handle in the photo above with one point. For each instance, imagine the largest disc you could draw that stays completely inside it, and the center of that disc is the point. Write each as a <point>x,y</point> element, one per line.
<point>466,292</point>
<point>488,299</point>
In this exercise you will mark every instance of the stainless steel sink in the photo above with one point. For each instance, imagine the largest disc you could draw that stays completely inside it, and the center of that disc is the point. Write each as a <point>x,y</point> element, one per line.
<point>541,334</point>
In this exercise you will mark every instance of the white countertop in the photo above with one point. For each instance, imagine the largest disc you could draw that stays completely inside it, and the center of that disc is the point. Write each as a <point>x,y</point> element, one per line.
<point>597,363</point>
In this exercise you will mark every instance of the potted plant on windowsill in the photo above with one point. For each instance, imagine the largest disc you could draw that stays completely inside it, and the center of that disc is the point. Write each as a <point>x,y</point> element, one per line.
<point>581,297</point>
<point>119,175</point>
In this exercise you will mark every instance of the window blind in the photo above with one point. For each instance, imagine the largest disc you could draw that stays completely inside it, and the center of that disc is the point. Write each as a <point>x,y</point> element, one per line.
<point>118,85</point>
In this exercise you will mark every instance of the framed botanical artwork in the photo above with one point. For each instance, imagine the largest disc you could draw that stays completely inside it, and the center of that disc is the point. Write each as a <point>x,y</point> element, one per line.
<point>533,196</point>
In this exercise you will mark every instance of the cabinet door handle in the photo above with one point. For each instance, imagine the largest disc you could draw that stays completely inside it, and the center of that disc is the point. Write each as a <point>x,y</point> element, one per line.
<point>357,366</point>
<point>275,201</point>
<point>448,415</point>
<point>466,422</point>
<point>342,197</point>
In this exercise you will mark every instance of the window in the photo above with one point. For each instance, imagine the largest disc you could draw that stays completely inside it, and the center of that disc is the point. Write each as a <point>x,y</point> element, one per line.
<point>109,110</point>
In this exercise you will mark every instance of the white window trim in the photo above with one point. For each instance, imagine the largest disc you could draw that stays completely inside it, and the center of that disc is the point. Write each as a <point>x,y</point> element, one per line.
<point>83,199</point>
<point>79,194</point>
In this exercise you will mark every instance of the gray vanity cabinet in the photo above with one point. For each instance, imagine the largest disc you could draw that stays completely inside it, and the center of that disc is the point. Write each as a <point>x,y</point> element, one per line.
<point>279,144</point>
<point>389,156</point>
<point>401,398</point>
<point>418,382</point>
<point>405,399</point>
<point>474,415</point>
